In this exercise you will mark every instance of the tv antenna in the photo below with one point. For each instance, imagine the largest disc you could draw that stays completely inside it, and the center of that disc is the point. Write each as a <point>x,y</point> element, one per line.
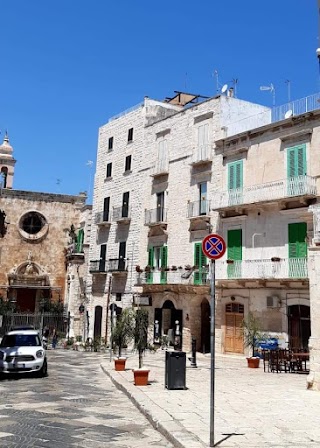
<point>288,82</point>
<point>216,75</point>
<point>272,90</point>
<point>235,82</point>
<point>89,164</point>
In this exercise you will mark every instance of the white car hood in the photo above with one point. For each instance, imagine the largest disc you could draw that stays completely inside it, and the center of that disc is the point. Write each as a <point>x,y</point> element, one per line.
<point>12,351</point>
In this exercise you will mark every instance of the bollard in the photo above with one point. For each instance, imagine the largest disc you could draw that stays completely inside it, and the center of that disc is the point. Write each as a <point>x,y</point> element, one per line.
<point>193,353</point>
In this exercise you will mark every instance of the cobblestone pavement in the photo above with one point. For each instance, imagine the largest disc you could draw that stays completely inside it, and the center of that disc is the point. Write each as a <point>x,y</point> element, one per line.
<point>76,406</point>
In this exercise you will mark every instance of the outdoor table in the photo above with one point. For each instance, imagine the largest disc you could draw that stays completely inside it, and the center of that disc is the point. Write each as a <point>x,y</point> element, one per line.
<point>299,362</point>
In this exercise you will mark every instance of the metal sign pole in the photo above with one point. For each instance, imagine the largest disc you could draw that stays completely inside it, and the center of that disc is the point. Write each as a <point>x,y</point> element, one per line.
<point>212,345</point>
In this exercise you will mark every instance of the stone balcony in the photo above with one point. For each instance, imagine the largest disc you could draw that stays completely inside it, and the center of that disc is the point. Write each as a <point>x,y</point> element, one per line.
<point>122,215</point>
<point>263,269</point>
<point>155,217</point>
<point>293,188</point>
<point>199,210</point>
<point>202,155</point>
<point>161,168</point>
<point>117,266</point>
<point>102,219</point>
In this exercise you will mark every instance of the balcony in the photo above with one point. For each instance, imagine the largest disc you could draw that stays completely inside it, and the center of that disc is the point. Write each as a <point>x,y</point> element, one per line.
<point>199,210</point>
<point>177,277</point>
<point>202,155</point>
<point>156,217</point>
<point>102,219</point>
<point>117,265</point>
<point>121,214</point>
<point>97,267</point>
<point>161,168</point>
<point>286,189</point>
<point>267,269</point>
<point>74,254</point>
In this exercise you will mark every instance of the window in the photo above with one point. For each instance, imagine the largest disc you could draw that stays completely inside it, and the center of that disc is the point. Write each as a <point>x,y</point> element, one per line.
<point>122,255</point>
<point>130,135</point>
<point>33,226</point>
<point>203,203</point>
<point>102,262</point>
<point>109,170</point>
<point>234,242</point>
<point>160,207</point>
<point>128,164</point>
<point>110,143</point>
<point>106,209</point>
<point>118,296</point>
<point>125,205</point>
<point>200,261</point>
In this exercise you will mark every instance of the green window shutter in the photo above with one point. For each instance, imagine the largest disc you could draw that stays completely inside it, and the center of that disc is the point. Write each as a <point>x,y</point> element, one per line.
<point>151,257</point>
<point>297,245</point>
<point>149,275</point>
<point>164,263</point>
<point>80,239</point>
<point>197,262</point>
<point>235,175</point>
<point>296,161</point>
<point>235,244</point>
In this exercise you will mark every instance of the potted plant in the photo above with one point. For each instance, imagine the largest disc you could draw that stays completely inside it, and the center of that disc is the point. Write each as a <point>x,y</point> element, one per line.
<point>138,269</point>
<point>141,344</point>
<point>251,330</point>
<point>121,335</point>
<point>275,259</point>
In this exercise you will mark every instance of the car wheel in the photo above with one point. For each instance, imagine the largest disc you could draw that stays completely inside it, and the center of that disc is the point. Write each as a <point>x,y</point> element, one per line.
<point>44,369</point>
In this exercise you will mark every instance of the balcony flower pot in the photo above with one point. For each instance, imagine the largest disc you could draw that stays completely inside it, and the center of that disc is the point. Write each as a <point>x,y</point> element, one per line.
<point>138,269</point>
<point>174,268</point>
<point>230,261</point>
<point>275,259</point>
<point>141,377</point>
<point>120,364</point>
<point>253,362</point>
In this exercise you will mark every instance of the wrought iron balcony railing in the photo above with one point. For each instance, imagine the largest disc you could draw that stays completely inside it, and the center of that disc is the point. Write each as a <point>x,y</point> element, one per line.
<point>282,189</point>
<point>198,208</point>
<point>121,214</point>
<point>155,216</point>
<point>97,267</point>
<point>274,268</point>
<point>117,265</point>
<point>202,154</point>
<point>102,218</point>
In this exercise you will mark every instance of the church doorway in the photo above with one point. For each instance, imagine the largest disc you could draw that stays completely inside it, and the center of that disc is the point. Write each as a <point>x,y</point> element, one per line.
<point>26,300</point>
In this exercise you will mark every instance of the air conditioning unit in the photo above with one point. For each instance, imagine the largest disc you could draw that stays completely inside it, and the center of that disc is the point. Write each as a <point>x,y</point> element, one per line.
<point>273,302</point>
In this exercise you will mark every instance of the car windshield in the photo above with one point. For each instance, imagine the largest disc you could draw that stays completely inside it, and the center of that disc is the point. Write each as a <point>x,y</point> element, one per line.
<point>20,340</point>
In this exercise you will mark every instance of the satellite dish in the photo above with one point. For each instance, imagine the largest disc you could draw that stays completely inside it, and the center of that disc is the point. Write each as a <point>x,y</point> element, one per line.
<point>288,114</point>
<point>224,88</point>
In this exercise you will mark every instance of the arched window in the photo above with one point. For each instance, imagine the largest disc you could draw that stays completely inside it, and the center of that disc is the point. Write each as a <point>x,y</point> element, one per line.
<point>4,174</point>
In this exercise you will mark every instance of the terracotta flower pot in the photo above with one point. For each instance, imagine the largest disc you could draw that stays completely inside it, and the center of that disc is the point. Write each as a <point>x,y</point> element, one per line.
<point>120,364</point>
<point>141,377</point>
<point>253,363</point>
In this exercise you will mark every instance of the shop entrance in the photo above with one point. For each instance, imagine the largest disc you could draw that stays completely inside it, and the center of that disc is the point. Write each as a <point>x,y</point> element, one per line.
<point>233,341</point>
<point>168,324</point>
<point>299,326</point>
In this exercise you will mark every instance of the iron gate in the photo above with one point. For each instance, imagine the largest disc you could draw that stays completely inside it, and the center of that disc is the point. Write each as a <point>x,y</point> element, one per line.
<point>37,320</point>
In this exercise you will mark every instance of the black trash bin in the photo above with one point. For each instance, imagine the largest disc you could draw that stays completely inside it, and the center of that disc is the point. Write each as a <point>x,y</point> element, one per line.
<point>175,373</point>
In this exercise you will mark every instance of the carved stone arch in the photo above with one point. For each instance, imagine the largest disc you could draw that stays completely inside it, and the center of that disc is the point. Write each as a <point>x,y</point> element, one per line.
<point>29,268</point>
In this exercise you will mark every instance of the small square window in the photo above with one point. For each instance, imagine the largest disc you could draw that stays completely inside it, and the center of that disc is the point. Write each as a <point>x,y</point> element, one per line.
<point>118,296</point>
<point>109,170</point>
<point>128,163</point>
<point>110,144</point>
<point>130,135</point>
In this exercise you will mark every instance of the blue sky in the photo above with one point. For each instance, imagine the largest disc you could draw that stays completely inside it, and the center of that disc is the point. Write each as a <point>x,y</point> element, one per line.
<point>68,65</point>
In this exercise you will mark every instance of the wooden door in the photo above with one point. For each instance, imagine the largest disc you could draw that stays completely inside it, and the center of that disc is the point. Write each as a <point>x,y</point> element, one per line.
<point>233,342</point>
